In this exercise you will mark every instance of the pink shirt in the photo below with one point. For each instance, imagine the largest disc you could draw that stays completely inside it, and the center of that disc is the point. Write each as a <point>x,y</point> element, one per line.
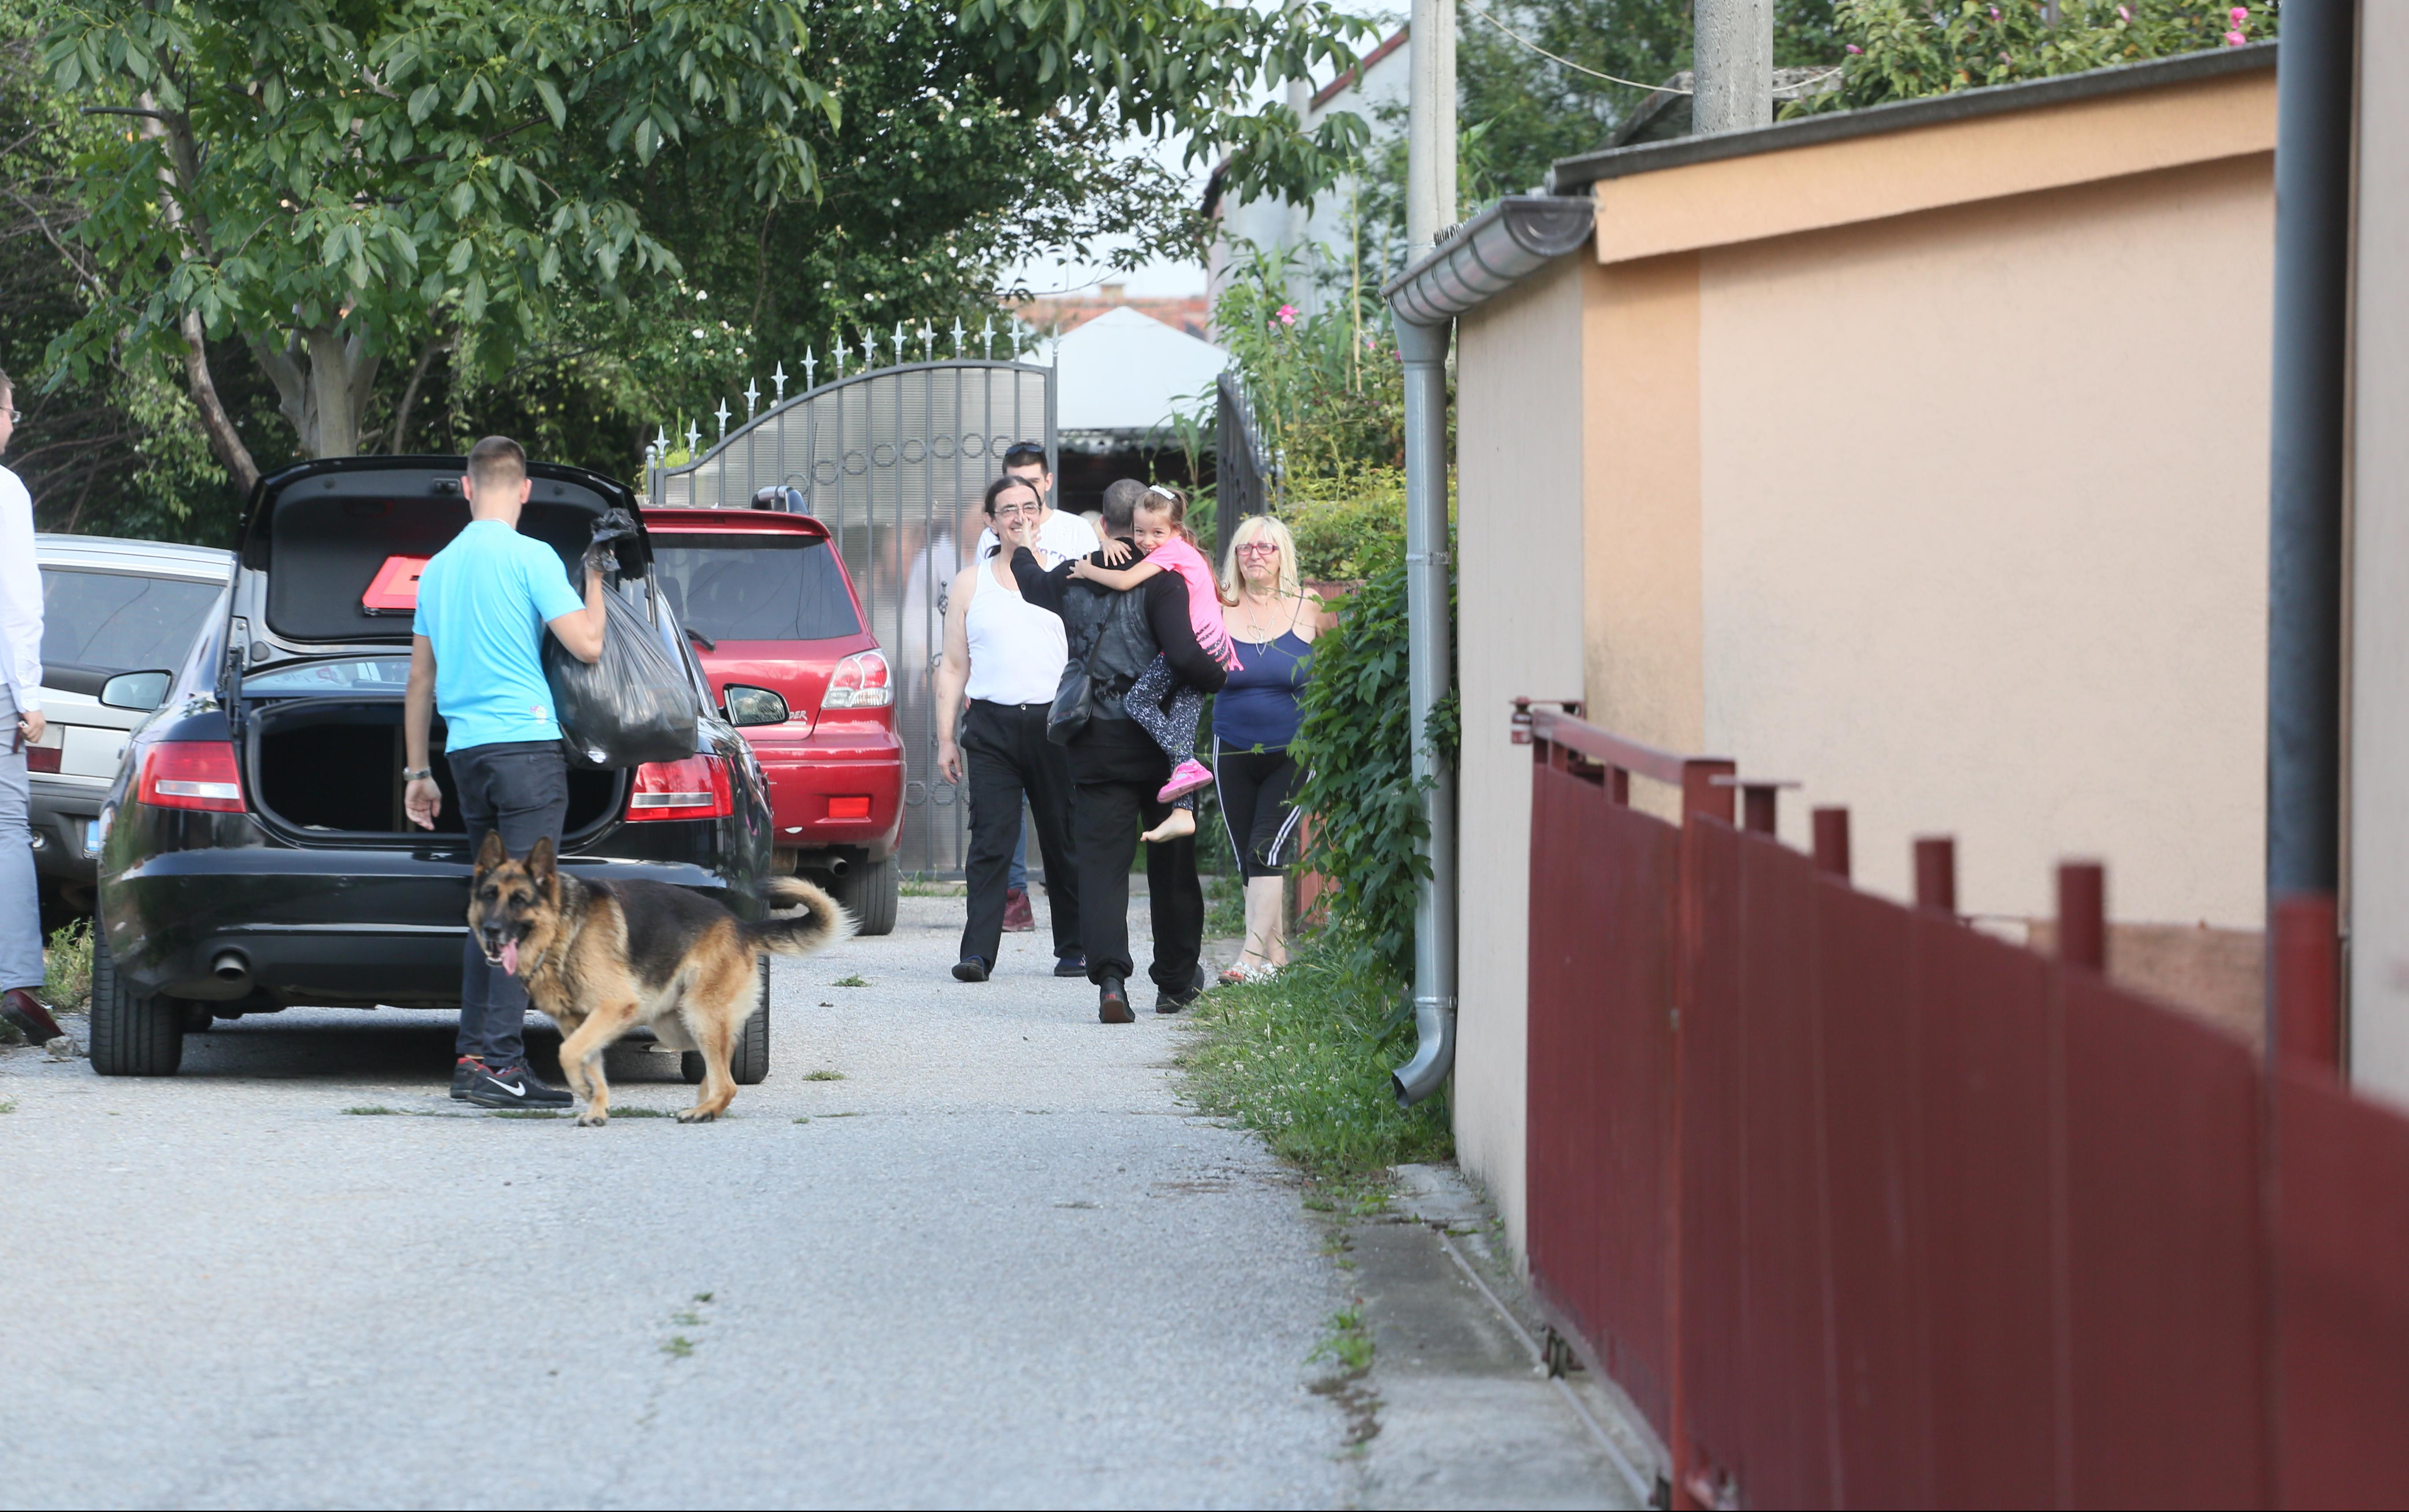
<point>1179,555</point>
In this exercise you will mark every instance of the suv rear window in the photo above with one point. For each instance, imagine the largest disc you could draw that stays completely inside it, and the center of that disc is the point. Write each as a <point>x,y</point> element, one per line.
<point>755,585</point>
<point>96,624</point>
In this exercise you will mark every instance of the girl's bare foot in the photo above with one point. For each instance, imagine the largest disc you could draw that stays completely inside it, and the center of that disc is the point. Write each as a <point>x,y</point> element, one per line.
<point>1179,825</point>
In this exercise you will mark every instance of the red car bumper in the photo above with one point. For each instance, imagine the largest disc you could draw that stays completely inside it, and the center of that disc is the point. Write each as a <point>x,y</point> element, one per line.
<point>841,785</point>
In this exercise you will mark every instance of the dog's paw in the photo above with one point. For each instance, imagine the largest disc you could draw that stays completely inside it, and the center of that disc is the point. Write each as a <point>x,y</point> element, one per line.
<point>591,1119</point>
<point>695,1116</point>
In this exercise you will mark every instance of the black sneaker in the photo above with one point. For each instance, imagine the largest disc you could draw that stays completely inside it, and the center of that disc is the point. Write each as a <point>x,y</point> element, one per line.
<point>513,1086</point>
<point>1112,1002</point>
<point>1168,1001</point>
<point>1070,966</point>
<point>970,969</point>
<point>464,1071</point>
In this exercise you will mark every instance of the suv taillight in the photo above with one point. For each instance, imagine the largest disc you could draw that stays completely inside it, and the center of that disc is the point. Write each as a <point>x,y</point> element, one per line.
<point>695,789</point>
<point>191,774</point>
<point>859,682</point>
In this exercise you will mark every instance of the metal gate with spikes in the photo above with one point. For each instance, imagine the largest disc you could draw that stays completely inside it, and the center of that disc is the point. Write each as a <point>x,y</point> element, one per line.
<point>893,461</point>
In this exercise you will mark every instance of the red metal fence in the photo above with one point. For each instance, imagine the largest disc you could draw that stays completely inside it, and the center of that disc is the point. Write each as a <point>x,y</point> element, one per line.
<point>1862,1207</point>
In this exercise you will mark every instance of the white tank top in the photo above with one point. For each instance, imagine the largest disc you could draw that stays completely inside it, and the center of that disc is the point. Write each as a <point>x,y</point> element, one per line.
<point>1016,649</point>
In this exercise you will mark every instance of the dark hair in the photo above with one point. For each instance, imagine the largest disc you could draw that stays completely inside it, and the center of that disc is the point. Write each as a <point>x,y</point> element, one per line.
<point>1122,497</point>
<point>1023,452</point>
<point>996,488</point>
<point>493,455</point>
<point>1165,497</point>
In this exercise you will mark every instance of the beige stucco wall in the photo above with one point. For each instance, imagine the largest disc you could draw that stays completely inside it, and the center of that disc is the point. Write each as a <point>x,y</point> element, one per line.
<point>1984,499</point>
<point>1519,594</point>
<point>2379,882</point>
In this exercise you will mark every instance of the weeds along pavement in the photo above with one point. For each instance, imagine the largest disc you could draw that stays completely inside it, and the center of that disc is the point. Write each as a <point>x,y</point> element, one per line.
<point>964,1245</point>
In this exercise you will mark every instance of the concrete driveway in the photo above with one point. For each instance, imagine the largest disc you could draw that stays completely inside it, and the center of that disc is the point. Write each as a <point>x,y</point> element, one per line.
<point>996,1263</point>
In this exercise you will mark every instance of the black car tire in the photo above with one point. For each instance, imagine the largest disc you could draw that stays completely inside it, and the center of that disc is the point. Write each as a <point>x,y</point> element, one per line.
<point>868,893</point>
<point>131,1035</point>
<point>748,1063</point>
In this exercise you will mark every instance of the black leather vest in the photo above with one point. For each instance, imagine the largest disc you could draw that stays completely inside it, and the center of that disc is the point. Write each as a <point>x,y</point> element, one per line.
<point>1091,614</point>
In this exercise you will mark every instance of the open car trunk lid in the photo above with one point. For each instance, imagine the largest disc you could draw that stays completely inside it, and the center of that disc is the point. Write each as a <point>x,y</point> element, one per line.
<point>329,548</point>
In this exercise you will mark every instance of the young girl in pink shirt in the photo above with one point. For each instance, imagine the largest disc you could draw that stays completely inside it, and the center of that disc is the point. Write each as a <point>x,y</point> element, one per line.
<point>1166,708</point>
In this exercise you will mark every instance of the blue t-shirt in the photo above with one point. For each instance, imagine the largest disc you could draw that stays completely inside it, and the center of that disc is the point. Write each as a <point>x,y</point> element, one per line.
<point>1260,705</point>
<point>483,603</point>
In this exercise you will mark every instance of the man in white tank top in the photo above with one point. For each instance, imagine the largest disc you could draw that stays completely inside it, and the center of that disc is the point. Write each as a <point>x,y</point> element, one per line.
<point>1005,655</point>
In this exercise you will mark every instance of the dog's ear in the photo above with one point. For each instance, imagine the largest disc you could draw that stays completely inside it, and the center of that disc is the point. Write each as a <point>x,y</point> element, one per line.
<point>491,854</point>
<point>542,864</point>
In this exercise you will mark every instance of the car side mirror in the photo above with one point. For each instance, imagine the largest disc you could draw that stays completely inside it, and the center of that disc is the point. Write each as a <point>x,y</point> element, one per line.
<point>141,691</point>
<point>755,706</point>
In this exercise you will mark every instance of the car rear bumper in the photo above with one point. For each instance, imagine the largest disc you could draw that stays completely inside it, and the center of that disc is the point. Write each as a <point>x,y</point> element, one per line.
<point>63,812</point>
<point>350,927</point>
<point>808,774</point>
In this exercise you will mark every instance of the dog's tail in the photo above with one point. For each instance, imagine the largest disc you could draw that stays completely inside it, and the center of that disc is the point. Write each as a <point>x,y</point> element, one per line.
<point>820,922</point>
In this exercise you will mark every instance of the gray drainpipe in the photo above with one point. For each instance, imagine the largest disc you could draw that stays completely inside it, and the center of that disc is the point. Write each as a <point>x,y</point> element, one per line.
<point>1488,254</point>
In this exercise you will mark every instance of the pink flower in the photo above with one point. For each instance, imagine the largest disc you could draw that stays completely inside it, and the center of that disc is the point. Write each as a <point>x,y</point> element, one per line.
<point>1288,314</point>
<point>2234,39</point>
<point>1994,13</point>
<point>2241,15</point>
<point>1854,50</point>
<point>2123,14</point>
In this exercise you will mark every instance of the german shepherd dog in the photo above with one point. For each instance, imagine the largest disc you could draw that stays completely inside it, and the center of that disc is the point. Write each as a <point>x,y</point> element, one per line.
<point>603,958</point>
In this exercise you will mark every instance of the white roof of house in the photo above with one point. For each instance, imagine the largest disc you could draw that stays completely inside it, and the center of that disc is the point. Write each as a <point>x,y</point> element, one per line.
<point>1125,370</point>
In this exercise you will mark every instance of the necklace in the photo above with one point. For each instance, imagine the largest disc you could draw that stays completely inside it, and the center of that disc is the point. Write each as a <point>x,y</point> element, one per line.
<point>1251,606</point>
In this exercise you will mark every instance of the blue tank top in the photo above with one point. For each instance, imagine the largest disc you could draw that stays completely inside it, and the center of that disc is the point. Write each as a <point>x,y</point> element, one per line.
<point>1259,705</point>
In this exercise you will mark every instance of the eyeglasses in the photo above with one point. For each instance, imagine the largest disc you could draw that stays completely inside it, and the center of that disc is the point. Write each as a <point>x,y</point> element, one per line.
<point>1259,548</point>
<point>1009,512</point>
<point>15,416</point>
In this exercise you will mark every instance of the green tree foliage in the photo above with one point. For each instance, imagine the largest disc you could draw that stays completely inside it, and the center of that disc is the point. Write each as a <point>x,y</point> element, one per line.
<point>1900,49</point>
<point>1327,388</point>
<point>341,224</point>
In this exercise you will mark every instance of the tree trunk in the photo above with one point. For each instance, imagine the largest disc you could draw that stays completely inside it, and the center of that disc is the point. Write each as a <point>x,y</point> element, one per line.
<point>225,440</point>
<point>322,378</point>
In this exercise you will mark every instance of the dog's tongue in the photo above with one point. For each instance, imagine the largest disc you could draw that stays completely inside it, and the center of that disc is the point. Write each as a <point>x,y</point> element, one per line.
<point>511,956</point>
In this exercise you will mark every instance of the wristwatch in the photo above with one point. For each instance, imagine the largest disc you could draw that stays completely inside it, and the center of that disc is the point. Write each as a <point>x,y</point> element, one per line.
<point>416,774</point>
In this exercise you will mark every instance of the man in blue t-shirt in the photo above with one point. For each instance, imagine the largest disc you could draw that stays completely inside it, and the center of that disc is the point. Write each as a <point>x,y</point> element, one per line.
<point>484,604</point>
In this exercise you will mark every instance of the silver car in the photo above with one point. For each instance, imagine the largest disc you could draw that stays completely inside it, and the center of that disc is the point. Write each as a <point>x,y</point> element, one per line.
<point>109,607</point>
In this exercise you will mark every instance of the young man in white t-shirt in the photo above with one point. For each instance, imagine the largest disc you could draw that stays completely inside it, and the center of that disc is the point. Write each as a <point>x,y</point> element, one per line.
<point>1061,535</point>
<point>21,725</point>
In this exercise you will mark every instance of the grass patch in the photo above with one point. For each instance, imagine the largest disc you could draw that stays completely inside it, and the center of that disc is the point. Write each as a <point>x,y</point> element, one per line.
<point>823,1076</point>
<point>1345,1342</point>
<point>373,1110</point>
<point>802,1120</point>
<point>853,981</point>
<point>638,1113</point>
<point>9,1105</point>
<point>1225,907</point>
<point>921,884</point>
<point>836,1116</point>
<point>525,1113</point>
<point>67,967</point>
<point>678,1348</point>
<point>1303,1060</point>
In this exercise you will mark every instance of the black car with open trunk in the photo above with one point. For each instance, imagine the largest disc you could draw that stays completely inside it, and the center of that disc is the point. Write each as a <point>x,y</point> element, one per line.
<point>256,854</point>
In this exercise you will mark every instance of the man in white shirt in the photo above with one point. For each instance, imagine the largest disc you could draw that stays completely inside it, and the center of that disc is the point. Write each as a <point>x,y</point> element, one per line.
<point>1061,535</point>
<point>21,724</point>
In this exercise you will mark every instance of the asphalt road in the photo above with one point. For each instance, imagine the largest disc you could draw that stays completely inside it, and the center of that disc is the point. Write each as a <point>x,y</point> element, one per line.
<point>996,1263</point>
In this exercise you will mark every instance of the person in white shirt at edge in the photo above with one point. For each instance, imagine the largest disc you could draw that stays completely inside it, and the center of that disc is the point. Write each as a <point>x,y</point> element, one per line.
<point>21,725</point>
<point>1007,655</point>
<point>1059,536</point>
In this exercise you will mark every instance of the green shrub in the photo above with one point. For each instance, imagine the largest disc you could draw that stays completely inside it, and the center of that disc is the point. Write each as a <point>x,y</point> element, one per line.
<point>1303,1060</point>
<point>67,967</point>
<point>1339,523</point>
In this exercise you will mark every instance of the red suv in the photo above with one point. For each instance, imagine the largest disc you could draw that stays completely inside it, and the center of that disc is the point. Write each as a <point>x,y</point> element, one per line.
<point>773,618</point>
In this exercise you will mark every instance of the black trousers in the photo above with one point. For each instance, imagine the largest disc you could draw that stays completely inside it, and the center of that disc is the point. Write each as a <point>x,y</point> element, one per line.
<point>1007,754</point>
<point>1105,817</point>
<point>1254,788</point>
<point>520,788</point>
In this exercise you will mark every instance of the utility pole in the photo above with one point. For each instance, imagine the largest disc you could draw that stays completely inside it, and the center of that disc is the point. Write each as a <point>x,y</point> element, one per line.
<point>1733,72</point>
<point>1430,128</point>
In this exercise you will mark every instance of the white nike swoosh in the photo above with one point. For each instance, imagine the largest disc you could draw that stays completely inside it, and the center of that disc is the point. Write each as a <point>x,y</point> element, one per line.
<point>514,1088</point>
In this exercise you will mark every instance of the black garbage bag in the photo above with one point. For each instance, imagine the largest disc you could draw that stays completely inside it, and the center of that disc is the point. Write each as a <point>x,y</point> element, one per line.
<point>633,705</point>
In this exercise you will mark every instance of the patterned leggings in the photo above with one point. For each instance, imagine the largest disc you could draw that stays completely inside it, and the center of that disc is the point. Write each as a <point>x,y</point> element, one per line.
<point>1171,720</point>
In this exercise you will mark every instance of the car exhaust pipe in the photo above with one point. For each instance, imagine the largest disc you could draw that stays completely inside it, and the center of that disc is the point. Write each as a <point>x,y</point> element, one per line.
<point>839,867</point>
<point>231,967</point>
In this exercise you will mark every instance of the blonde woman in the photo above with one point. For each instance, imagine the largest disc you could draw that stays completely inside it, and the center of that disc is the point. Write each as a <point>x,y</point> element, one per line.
<point>1272,621</point>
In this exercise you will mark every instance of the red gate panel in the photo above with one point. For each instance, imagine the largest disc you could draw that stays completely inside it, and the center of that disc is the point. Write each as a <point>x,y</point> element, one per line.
<point>1601,1083</point>
<point>2165,1289</point>
<point>2342,1296</point>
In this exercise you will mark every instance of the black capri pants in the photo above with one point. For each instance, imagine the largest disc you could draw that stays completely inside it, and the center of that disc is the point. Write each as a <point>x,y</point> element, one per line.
<point>1252,788</point>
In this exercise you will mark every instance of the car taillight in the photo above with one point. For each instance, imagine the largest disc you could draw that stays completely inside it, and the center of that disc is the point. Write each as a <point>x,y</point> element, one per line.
<point>191,774</point>
<point>695,789</point>
<point>42,758</point>
<point>859,682</point>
